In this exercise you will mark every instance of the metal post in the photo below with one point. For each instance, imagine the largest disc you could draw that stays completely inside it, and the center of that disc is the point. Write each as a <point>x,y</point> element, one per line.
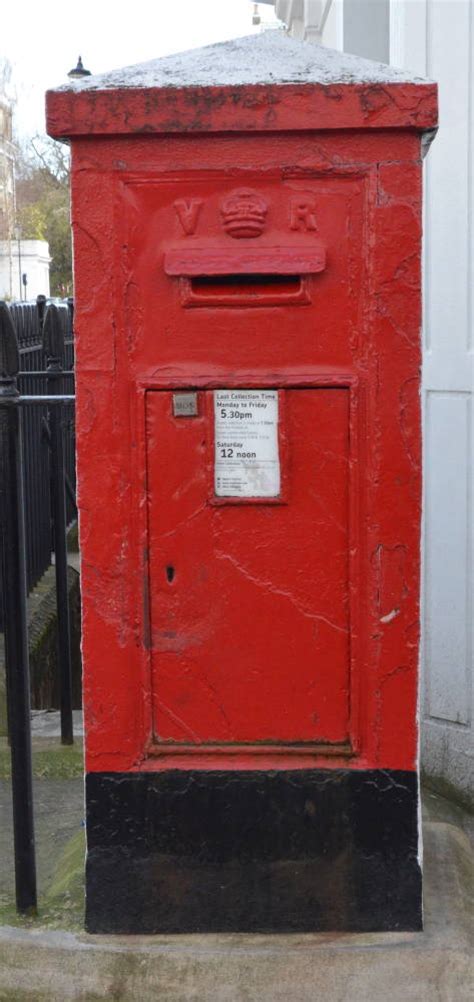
<point>16,630</point>
<point>53,344</point>
<point>69,488</point>
<point>20,291</point>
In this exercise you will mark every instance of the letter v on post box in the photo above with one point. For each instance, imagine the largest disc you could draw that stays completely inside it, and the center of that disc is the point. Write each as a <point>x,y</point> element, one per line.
<point>187,211</point>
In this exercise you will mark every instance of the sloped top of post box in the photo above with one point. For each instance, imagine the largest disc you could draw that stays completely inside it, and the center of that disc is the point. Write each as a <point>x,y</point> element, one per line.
<point>266,82</point>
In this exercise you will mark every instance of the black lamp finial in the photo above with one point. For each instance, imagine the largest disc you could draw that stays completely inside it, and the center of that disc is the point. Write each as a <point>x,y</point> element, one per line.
<point>79,71</point>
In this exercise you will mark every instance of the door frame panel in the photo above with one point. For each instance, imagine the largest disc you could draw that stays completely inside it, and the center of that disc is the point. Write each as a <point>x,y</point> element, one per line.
<point>294,755</point>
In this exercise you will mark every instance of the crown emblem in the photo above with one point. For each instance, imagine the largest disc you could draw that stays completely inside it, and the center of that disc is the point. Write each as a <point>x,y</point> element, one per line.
<point>243,213</point>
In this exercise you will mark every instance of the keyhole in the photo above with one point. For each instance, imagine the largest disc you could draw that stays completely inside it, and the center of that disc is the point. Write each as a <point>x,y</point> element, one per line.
<point>170,573</point>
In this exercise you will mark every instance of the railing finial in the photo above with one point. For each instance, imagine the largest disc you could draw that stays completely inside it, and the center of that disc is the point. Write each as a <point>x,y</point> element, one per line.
<point>9,354</point>
<point>53,336</point>
<point>40,307</point>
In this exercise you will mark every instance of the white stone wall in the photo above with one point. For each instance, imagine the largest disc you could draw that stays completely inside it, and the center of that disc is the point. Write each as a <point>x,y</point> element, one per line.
<point>34,261</point>
<point>435,38</point>
<point>306,19</point>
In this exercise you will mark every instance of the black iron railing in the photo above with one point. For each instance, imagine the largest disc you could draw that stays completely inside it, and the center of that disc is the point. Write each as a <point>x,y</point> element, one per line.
<point>28,322</point>
<point>33,450</point>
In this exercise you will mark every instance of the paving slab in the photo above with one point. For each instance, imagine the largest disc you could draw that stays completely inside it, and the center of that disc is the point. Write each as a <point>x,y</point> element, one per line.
<point>47,723</point>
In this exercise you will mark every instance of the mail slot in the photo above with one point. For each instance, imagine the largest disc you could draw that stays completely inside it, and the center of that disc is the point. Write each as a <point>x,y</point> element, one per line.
<point>247,281</point>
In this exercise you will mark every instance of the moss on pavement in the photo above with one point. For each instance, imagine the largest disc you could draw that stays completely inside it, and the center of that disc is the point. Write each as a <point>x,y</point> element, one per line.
<point>58,814</point>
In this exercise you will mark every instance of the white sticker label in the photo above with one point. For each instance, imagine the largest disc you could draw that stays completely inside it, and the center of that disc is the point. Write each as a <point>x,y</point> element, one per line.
<point>247,462</point>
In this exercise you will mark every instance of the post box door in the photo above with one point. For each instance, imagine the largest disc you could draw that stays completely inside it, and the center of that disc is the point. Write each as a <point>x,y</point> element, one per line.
<point>249,609</point>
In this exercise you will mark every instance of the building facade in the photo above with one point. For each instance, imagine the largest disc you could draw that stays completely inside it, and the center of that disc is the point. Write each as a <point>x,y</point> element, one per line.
<point>24,264</point>
<point>7,198</point>
<point>24,269</point>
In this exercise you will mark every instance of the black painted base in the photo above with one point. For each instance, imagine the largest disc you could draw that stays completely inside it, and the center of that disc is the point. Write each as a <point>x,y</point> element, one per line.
<point>298,851</point>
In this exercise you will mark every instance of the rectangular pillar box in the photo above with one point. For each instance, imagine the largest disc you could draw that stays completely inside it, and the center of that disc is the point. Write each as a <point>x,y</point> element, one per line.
<point>247,228</point>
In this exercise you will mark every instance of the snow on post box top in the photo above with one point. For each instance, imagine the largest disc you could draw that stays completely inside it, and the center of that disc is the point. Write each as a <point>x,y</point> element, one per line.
<point>266,82</point>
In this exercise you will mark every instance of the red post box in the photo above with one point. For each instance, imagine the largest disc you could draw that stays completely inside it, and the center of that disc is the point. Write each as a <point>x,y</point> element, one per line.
<point>247,225</point>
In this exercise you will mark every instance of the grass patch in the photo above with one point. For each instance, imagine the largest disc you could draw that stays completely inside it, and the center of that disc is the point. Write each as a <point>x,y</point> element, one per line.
<point>51,760</point>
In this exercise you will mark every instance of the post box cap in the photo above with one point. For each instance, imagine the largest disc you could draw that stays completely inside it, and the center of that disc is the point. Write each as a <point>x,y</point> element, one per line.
<point>265,82</point>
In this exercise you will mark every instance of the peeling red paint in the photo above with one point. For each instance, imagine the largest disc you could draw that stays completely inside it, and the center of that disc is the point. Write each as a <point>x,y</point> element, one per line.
<point>241,109</point>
